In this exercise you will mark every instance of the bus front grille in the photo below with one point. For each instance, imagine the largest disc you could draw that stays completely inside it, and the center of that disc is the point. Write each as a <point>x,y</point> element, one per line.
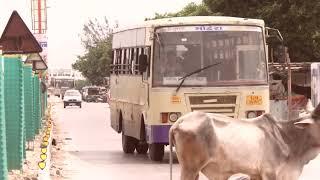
<point>222,104</point>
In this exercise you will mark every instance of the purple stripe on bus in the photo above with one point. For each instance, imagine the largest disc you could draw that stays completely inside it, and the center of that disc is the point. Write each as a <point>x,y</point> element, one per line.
<point>158,133</point>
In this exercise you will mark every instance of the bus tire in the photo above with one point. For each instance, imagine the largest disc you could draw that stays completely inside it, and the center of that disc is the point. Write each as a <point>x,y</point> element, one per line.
<point>142,148</point>
<point>128,144</point>
<point>156,151</point>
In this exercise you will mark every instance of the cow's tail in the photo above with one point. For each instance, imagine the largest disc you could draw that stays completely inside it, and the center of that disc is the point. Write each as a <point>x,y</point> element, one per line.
<point>171,139</point>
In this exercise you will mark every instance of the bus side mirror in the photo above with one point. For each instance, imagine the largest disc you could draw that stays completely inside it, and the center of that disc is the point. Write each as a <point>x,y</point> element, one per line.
<point>274,33</point>
<point>143,62</point>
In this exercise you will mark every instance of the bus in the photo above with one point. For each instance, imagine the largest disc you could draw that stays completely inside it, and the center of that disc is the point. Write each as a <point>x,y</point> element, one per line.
<point>61,84</point>
<point>218,65</point>
<point>61,80</point>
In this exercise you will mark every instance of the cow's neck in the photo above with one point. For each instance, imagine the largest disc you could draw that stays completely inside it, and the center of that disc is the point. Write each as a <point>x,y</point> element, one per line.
<point>300,142</point>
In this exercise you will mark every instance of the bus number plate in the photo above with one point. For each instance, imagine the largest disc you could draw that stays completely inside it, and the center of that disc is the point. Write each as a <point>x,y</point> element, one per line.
<point>254,100</point>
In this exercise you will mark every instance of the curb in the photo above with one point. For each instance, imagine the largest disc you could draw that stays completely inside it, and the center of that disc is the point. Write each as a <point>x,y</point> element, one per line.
<point>45,154</point>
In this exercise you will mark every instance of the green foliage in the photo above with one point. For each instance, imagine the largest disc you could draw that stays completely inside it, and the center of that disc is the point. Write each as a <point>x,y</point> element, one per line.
<point>192,9</point>
<point>94,64</point>
<point>79,84</point>
<point>297,20</point>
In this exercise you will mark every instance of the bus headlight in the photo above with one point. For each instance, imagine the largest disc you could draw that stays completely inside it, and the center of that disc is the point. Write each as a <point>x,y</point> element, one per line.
<point>253,114</point>
<point>169,116</point>
<point>173,117</point>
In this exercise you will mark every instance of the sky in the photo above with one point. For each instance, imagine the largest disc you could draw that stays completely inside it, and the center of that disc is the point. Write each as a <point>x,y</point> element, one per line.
<point>67,17</point>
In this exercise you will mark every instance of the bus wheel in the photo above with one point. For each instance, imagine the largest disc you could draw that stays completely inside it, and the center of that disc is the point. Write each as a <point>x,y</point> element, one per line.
<point>142,148</point>
<point>156,152</point>
<point>128,144</point>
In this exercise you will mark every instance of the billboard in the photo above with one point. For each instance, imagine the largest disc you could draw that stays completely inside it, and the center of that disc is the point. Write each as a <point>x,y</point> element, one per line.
<point>43,41</point>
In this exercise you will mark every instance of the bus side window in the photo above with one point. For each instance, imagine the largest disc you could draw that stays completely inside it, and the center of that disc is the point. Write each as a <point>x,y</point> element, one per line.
<point>147,53</point>
<point>118,67</point>
<point>127,62</point>
<point>137,62</point>
<point>114,62</point>
<point>141,53</point>
<point>123,67</point>
<point>131,61</point>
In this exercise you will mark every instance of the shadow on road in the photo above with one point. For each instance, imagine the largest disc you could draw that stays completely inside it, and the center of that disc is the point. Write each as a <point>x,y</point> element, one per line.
<point>118,157</point>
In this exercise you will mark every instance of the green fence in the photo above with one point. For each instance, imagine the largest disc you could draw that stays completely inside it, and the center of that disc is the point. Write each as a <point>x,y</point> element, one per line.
<point>14,110</point>
<point>43,98</point>
<point>3,145</point>
<point>22,106</point>
<point>28,103</point>
<point>36,104</point>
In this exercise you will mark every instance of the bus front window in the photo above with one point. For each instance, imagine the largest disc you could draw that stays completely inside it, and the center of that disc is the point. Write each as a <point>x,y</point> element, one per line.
<point>239,50</point>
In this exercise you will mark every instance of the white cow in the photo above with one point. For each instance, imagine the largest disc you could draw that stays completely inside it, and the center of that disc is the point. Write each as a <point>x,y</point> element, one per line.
<point>264,149</point>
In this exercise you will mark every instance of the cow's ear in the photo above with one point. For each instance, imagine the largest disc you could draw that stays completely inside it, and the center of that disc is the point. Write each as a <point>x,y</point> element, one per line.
<point>309,107</point>
<point>316,111</point>
<point>304,123</point>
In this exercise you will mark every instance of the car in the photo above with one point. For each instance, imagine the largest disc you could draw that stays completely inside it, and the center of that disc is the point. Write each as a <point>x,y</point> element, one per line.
<point>72,97</point>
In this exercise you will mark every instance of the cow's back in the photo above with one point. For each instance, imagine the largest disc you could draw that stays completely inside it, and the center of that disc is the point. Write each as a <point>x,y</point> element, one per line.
<point>248,146</point>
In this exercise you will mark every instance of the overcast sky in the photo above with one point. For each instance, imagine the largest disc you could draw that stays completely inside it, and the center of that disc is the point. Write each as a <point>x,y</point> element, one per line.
<point>66,19</point>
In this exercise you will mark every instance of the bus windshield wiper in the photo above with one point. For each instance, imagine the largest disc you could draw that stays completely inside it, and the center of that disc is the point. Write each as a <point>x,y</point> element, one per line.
<point>194,72</point>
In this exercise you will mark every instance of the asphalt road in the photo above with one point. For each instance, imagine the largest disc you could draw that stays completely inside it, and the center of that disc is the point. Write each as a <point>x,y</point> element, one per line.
<point>94,150</point>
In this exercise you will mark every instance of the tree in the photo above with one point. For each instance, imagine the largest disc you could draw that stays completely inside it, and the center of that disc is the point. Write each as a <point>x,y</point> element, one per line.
<point>297,20</point>
<point>79,84</point>
<point>97,41</point>
<point>191,9</point>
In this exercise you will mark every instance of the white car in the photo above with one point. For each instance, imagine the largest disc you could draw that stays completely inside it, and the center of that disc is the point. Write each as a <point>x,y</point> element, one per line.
<point>72,98</point>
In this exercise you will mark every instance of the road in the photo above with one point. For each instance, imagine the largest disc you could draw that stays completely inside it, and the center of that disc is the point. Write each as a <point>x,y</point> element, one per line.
<point>93,149</point>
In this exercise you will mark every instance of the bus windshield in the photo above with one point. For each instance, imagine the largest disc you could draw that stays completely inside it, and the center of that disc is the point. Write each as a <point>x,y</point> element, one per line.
<point>237,51</point>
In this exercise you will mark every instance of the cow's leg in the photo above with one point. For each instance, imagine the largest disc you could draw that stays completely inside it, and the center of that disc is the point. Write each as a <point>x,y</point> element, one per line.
<point>268,175</point>
<point>187,174</point>
<point>292,175</point>
<point>289,172</point>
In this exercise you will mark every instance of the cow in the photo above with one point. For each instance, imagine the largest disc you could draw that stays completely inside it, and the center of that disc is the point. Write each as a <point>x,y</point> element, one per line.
<point>262,147</point>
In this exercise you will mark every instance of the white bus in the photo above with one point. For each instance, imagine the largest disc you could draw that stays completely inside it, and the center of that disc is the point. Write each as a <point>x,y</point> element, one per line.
<point>165,68</point>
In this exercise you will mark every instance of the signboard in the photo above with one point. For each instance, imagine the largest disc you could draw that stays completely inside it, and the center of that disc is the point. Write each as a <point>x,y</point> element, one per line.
<point>43,41</point>
<point>201,81</point>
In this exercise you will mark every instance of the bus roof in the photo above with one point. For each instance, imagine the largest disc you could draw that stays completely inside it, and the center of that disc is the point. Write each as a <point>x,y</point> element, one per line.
<point>194,20</point>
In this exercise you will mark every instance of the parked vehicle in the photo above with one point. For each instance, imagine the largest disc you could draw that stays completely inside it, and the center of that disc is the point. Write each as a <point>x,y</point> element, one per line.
<point>90,93</point>
<point>57,92</point>
<point>72,98</point>
<point>103,95</point>
<point>63,91</point>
